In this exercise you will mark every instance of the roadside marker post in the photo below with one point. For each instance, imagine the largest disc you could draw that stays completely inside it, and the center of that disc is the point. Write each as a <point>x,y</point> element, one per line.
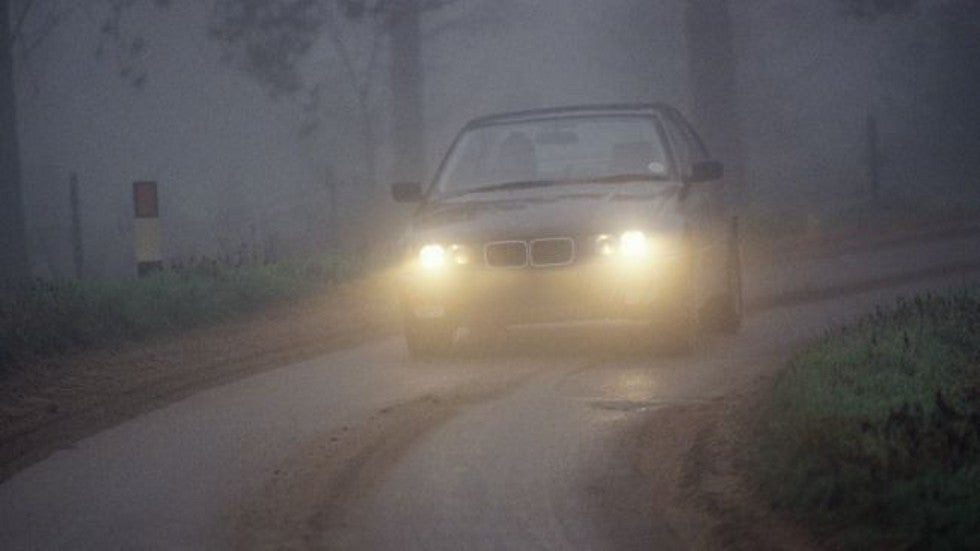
<point>146,228</point>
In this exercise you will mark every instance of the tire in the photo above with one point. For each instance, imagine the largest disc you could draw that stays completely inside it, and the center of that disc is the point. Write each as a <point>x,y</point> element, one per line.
<point>731,307</point>
<point>429,338</point>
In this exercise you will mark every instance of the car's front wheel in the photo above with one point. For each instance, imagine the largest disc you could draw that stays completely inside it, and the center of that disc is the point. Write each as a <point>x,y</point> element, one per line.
<point>429,338</point>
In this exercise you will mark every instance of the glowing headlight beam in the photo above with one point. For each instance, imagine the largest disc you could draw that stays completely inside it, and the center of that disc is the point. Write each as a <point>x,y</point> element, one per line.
<point>432,257</point>
<point>633,244</point>
<point>605,245</point>
<point>460,255</point>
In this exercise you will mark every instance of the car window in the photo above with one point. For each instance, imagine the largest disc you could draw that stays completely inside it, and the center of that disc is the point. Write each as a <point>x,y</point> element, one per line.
<point>572,148</point>
<point>687,145</point>
<point>679,145</point>
<point>693,142</point>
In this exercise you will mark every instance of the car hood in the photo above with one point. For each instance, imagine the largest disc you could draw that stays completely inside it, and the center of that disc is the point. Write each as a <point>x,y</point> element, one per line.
<point>528,214</point>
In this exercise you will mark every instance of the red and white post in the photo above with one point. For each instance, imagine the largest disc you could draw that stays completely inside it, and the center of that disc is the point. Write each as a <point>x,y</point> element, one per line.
<point>146,228</point>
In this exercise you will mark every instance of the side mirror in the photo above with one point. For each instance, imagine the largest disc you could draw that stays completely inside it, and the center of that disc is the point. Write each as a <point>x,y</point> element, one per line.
<point>704,171</point>
<point>407,192</point>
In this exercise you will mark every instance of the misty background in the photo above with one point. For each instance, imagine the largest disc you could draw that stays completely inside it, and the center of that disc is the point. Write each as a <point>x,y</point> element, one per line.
<point>276,162</point>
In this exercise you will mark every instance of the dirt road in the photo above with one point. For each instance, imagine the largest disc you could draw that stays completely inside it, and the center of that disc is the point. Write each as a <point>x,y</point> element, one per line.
<point>563,437</point>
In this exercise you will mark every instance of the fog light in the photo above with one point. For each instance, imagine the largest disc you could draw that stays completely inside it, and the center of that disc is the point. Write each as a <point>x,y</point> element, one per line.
<point>460,255</point>
<point>605,245</point>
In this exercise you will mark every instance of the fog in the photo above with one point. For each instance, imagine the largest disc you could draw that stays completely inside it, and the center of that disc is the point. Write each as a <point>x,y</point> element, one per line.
<point>238,167</point>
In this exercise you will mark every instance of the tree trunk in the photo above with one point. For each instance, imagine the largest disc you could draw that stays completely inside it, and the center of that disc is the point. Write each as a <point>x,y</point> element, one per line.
<point>959,104</point>
<point>369,148</point>
<point>712,68</point>
<point>405,75</point>
<point>14,263</point>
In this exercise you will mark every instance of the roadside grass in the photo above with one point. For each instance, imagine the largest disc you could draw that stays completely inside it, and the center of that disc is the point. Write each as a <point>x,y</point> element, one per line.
<point>872,435</point>
<point>45,318</point>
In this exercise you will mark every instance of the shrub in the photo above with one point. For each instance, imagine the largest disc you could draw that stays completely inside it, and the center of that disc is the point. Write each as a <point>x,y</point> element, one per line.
<point>51,317</point>
<point>874,432</point>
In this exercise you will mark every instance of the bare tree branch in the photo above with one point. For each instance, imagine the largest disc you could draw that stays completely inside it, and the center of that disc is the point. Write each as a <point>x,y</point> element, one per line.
<point>372,62</point>
<point>872,9</point>
<point>29,42</point>
<point>36,20</point>
<point>20,18</point>
<point>340,46</point>
<point>432,5</point>
<point>485,17</point>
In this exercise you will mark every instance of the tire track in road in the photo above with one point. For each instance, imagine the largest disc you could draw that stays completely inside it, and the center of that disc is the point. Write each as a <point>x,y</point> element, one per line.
<point>306,503</point>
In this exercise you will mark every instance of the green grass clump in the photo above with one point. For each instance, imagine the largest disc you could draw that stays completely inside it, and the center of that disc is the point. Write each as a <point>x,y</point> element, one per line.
<point>45,317</point>
<point>873,434</point>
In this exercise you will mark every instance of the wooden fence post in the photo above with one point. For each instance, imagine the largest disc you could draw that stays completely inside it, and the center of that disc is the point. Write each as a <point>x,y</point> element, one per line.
<point>78,256</point>
<point>874,159</point>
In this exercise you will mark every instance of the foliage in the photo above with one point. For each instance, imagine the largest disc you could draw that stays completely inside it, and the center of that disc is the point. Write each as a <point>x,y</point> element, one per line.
<point>35,20</point>
<point>274,43</point>
<point>53,317</point>
<point>268,39</point>
<point>271,38</point>
<point>874,432</point>
<point>871,9</point>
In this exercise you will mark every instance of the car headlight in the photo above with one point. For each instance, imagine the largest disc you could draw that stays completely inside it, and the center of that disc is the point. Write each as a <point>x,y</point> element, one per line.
<point>432,257</point>
<point>436,257</point>
<point>632,245</point>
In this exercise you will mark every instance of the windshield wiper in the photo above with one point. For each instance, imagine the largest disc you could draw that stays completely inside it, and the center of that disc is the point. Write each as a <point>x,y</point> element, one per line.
<point>528,184</point>
<point>632,177</point>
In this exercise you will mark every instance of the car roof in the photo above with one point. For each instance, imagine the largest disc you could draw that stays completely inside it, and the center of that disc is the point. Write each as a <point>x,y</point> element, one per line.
<point>574,110</point>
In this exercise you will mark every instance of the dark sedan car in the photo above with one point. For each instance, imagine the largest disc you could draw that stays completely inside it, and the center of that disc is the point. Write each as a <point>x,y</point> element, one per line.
<point>587,212</point>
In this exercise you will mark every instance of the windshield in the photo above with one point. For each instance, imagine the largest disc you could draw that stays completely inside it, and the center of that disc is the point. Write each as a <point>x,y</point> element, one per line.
<point>555,150</point>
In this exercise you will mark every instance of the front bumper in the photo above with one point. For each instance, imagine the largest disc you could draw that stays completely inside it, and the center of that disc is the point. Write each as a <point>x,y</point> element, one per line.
<point>597,289</point>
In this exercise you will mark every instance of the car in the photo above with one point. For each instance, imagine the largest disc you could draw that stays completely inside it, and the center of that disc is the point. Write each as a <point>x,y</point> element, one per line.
<point>586,212</point>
